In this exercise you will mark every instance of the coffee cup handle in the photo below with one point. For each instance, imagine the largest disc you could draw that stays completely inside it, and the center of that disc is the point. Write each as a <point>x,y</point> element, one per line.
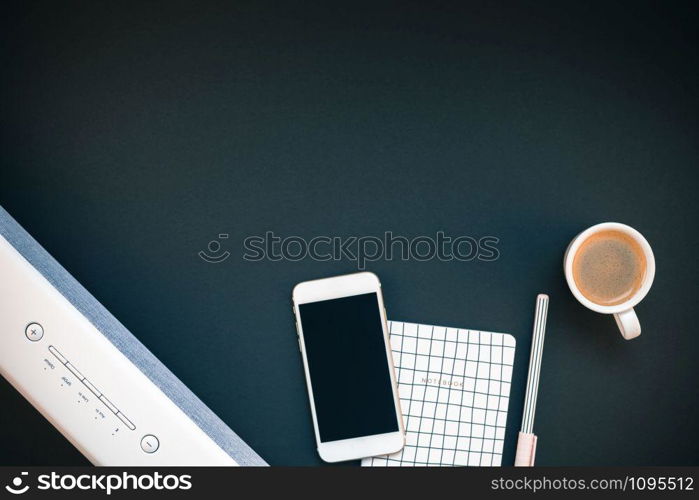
<point>627,321</point>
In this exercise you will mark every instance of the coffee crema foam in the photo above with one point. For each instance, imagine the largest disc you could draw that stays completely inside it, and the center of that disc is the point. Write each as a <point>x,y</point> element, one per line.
<point>609,267</point>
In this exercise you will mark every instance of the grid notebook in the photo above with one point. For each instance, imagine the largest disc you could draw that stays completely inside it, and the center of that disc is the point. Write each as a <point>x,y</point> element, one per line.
<point>454,388</point>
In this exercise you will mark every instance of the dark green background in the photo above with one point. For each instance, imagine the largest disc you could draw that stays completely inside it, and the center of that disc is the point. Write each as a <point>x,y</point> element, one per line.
<point>130,136</point>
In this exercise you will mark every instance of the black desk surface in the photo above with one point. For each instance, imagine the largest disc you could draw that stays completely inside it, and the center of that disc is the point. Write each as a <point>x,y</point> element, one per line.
<point>130,138</point>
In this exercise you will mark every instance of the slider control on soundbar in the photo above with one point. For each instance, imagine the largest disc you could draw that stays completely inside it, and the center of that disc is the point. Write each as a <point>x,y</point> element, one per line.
<point>126,421</point>
<point>58,355</point>
<point>92,388</point>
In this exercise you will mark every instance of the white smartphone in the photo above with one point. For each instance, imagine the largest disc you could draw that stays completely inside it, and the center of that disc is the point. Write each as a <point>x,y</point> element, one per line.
<point>343,338</point>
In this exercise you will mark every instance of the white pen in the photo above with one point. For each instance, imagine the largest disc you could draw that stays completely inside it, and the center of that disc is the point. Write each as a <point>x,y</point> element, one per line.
<point>526,442</point>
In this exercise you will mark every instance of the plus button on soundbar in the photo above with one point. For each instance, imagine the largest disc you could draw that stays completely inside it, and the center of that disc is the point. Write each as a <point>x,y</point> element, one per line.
<point>149,443</point>
<point>34,332</point>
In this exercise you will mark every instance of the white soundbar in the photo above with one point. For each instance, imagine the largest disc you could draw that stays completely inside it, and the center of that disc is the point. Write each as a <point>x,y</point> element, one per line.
<point>85,386</point>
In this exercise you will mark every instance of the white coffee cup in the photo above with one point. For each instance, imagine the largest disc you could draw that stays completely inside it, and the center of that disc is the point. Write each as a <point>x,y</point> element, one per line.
<point>625,317</point>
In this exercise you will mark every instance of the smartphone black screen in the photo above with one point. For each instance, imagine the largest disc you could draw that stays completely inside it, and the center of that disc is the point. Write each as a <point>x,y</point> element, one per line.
<point>348,367</point>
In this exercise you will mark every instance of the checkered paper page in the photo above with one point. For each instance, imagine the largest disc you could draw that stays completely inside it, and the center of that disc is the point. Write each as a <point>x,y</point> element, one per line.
<point>454,388</point>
